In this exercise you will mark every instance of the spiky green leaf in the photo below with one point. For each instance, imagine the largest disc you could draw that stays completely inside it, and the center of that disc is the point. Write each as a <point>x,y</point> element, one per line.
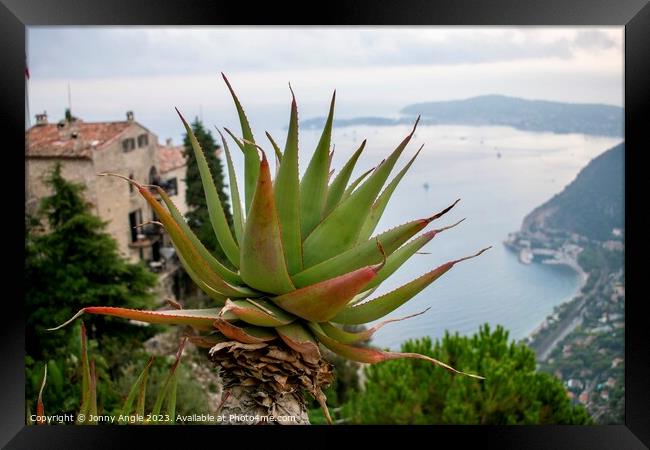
<point>258,312</point>
<point>378,207</point>
<point>378,307</point>
<point>84,367</point>
<point>321,301</point>
<point>218,297</point>
<point>313,187</point>
<point>276,149</point>
<point>340,230</point>
<point>372,356</point>
<point>337,188</point>
<point>251,157</point>
<point>215,208</point>
<point>402,254</point>
<point>348,337</point>
<point>92,405</point>
<point>357,181</point>
<point>168,390</point>
<point>263,264</point>
<point>364,254</point>
<point>200,319</point>
<point>287,196</point>
<point>227,274</point>
<point>138,389</point>
<point>186,250</point>
<point>237,213</point>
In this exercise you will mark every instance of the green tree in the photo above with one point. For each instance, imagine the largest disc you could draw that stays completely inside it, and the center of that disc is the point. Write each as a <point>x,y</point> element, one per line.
<point>412,392</point>
<point>70,264</point>
<point>198,217</point>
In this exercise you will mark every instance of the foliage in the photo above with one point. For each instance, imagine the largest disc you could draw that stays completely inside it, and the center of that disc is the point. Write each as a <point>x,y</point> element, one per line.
<point>72,262</point>
<point>197,216</point>
<point>512,393</point>
<point>191,395</point>
<point>136,407</point>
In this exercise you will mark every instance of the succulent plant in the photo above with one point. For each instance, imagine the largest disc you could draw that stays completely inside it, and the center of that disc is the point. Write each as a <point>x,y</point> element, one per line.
<point>306,263</point>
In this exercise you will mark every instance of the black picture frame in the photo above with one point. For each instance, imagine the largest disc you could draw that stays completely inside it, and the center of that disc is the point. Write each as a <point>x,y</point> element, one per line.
<point>634,15</point>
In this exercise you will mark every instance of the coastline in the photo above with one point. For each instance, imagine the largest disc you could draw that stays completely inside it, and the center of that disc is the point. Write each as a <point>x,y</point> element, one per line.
<point>582,281</point>
<point>541,249</point>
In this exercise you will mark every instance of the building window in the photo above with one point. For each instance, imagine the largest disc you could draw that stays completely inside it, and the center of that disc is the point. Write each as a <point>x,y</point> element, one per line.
<point>171,186</point>
<point>131,190</point>
<point>135,219</point>
<point>128,144</point>
<point>143,140</point>
<point>153,176</point>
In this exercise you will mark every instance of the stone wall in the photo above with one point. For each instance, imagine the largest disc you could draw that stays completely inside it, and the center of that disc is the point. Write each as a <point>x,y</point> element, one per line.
<point>179,198</point>
<point>115,199</point>
<point>77,170</point>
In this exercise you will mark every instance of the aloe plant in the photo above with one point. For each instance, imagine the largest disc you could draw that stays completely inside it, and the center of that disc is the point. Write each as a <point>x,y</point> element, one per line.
<point>306,262</point>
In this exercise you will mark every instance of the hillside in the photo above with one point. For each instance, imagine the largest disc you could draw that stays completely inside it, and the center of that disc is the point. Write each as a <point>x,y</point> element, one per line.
<point>529,115</point>
<point>591,205</point>
<point>532,115</point>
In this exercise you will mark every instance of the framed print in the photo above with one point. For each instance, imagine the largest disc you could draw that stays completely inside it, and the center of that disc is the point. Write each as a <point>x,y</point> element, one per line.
<point>380,219</point>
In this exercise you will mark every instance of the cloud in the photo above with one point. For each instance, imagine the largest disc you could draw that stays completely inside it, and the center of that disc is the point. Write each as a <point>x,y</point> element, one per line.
<point>593,40</point>
<point>133,51</point>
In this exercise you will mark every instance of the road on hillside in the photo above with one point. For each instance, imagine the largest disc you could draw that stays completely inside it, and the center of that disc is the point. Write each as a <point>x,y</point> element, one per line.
<point>573,318</point>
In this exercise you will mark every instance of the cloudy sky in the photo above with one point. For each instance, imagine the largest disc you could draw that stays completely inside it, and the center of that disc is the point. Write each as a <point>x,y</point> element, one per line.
<point>375,70</point>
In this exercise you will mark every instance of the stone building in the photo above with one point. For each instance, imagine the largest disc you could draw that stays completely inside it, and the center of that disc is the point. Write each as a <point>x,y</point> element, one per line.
<point>86,149</point>
<point>173,165</point>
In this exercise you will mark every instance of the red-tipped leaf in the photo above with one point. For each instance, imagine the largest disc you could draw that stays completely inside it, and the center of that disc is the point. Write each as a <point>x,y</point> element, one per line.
<point>258,312</point>
<point>263,264</point>
<point>40,408</point>
<point>347,337</point>
<point>365,253</point>
<point>373,356</point>
<point>321,301</point>
<point>300,340</point>
<point>247,335</point>
<point>200,319</point>
<point>378,307</point>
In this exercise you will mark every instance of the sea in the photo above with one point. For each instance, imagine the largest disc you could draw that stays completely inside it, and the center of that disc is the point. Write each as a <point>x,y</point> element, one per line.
<point>500,174</point>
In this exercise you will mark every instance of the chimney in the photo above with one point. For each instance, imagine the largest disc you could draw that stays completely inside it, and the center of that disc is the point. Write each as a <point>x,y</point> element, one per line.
<point>168,142</point>
<point>41,119</point>
<point>129,116</point>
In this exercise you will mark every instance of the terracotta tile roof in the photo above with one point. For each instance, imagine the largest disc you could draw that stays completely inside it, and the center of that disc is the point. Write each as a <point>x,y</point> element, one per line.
<point>48,141</point>
<point>170,158</point>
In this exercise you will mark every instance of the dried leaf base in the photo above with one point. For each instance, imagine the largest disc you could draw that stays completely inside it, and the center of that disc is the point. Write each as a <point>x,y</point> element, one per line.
<point>263,383</point>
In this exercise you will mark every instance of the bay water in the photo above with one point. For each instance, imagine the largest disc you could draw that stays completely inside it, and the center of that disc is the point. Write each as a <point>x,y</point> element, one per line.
<point>500,174</point>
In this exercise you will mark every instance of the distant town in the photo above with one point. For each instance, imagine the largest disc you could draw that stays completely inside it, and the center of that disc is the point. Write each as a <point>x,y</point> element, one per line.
<point>582,341</point>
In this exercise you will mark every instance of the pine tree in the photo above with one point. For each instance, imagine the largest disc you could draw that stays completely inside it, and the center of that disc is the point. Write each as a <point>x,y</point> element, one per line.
<point>410,392</point>
<point>198,217</point>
